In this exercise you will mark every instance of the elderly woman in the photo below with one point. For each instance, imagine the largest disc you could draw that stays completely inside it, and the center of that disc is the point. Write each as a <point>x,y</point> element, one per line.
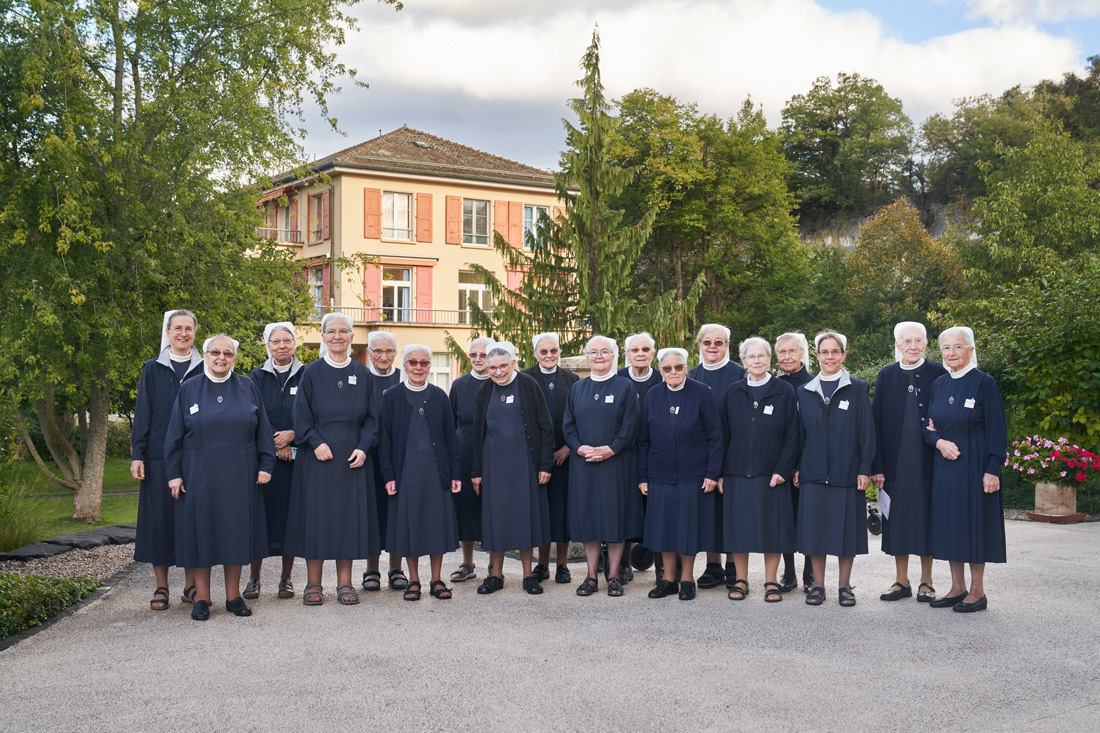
<point>156,397</point>
<point>601,426</point>
<point>639,348</point>
<point>679,465</point>
<point>382,351</point>
<point>760,425</point>
<point>792,355</point>
<point>966,425</point>
<point>333,514</point>
<point>719,373</point>
<point>837,436</point>
<point>278,380</point>
<point>903,461</point>
<point>420,466</point>
<point>219,446</point>
<point>463,396</point>
<point>556,383</point>
<point>513,456</point>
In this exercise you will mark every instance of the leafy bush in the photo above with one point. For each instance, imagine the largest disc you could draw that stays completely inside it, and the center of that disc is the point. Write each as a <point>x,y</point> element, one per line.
<point>28,601</point>
<point>118,439</point>
<point>21,519</point>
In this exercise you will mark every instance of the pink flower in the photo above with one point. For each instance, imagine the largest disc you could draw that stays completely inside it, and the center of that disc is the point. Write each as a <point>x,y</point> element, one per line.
<point>1063,473</point>
<point>1032,470</point>
<point>1080,477</point>
<point>1017,452</point>
<point>1016,466</point>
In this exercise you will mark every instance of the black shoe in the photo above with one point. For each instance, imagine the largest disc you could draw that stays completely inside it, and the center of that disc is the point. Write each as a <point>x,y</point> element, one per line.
<point>238,608</point>
<point>491,584</point>
<point>562,575</point>
<point>948,601</point>
<point>664,588</point>
<point>978,605</point>
<point>731,574</point>
<point>541,573</point>
<point>712,577</point>
<point>788,582</point>
<point>626,574</point>
<point>201,610</point>
<point>531,585</point>
<point>687,590</point>
<point>897,592</point>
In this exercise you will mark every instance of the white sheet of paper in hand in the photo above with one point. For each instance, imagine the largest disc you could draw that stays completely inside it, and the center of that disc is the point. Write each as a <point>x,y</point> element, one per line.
<point>884,503</point>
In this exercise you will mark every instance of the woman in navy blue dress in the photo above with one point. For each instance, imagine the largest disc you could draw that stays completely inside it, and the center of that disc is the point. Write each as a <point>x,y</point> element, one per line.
<point>156,398</point>
<point>792,355</point>
<point>420,466</point>
<point>760,422</point>
<point>333,513</point>
<point>679,465</point>
<point>278,380</point>
<point>513,456</point>
<point>837,438</point>
<point>639,350</point>
<point>556,382</point>
<point>463,396</point>
<point>601,427</point>
<point>903,461</point>
<point>218,450</point>
<point>966,425</point>
<point>719,373</point>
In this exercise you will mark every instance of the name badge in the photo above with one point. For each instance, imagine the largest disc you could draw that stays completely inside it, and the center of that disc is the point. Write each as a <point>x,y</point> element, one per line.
<point>194,408</point>
<point>844,404</point>
<point>969,404</point>
<point>351,379</point>
<point>510,399</point>
<point>609,399</point>
<point>769,409</point>
<point>293,390</point>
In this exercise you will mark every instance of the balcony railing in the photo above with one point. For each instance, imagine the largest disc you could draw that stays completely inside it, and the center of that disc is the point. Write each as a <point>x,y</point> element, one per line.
<point>400,316</point>
<point>289,236</point>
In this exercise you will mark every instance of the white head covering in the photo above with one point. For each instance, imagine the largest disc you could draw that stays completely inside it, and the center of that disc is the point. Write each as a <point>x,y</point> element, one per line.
<point>548,335</point>
<point>506,346</point>
<point>671,351</point>
<point>753,341</point>
<point>900,329</point>
<point>322,351</point>
<point>611,344</point>
<point>487,340</point>
<point>801,339</point>
<point>281,326</point>
<point>831,334</point>
<point>968,339</point>
<point>375,335</point>
<point>644,335</point>
<point>207,342</point>
<point>409,348</point>
<point>703,331</point>
<point>164,343</point>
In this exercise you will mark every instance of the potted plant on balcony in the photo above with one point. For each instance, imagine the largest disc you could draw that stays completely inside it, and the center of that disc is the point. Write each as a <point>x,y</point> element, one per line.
<point>1058,469</point>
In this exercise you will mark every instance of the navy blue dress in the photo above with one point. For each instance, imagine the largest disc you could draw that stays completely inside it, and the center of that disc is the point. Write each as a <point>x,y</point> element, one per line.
<point>643,385</point>
<point>278,391</point>
<point>761,432</point>
<point>796,380</point>
<point>217,441</point>
<point>638,504</point>
<point>156,398</point>
<point>900,408</point>
<point>467,502</point>
<point>967,524</point>
<point>556,388</point>
<point>597,414</point>
<point>333,510</point>
<point>382,499</point>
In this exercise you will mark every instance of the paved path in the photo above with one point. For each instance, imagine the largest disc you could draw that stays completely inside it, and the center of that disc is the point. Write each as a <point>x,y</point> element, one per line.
<point>559,662</point>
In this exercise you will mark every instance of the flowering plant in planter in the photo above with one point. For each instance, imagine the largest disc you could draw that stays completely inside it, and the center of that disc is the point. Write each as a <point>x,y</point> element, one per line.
<point>1053,461</point>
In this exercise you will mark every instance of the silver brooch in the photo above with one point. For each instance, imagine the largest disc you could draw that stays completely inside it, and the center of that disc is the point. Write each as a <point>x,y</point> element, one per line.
<point>219,398</point>
<point>755,404</point>
<point>551,385</point>
<point>421,410</point>
<point>950,400</point>
<point>910,389</point>
<point>503,398</point>
<point>340,385</point>
<point>596,397</point>
<point>826,400</point>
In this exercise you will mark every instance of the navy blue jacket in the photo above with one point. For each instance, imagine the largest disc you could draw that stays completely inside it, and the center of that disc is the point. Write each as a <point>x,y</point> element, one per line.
<point>278,400</point>
<point>687,453</point>
<point>643,387</point>
<point>761,438</point>
<point>719,380</point>
<point>538,427</point>
<point>796,379</point>
<point>156,398</point>
<point>888,408</point>
<point>395,434</point>
<point>838,436</point>
<point>563,382</point>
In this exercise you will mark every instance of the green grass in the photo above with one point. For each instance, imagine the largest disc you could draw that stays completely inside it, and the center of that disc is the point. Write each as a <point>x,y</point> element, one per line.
<point>27,602</point>
<point>26,475</point>
<point>116,510</point>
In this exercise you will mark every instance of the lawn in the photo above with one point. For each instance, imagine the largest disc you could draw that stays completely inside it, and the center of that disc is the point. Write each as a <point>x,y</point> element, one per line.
<point>26,474</point>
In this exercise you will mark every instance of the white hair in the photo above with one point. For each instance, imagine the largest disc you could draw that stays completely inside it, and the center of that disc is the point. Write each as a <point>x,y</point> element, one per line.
<point>802,344</point>
<point>410,348</point>
<point>672,351</point>
<point>280,326</point>
<point>487,340</point>
<point>748,343</point>
<point>611,344</point>
<point>220,337</point>
<point>329,316</point>
<point>708,327</point>
<point>502,348</point>
<point>899,331</point>
<point>840,339</point>
<point>642,335</point>
<point>375,335</point>
<point>968,338</point>
<point>548,335</point>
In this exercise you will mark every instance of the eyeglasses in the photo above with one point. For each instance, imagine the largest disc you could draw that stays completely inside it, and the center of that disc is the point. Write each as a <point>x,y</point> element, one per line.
<point>672,368</point>
<point>381,352</point>
<point>182,329</point>
<point>789,352</point>
<point>340,332</point>
<point>755,357</point>
<point>544,352</point>
<point>500,368</point>
<point>480,355</point>
<point>602,352</point>
<point>913,342</point>
<point>708,343</point>
<point>954,347</point>
<point>828,352</point>
<point>639,349</point>
<point>218,353</point>
<point>423,363</point>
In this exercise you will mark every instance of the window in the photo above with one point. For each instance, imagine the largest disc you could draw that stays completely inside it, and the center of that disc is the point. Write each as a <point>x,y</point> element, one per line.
<point>397,294</point>
<point>317,289</point>
<point>397,216</point>
<point>470,288</point>
<point>531,222</point>
<point>440,375</point>
<point>475,222</point>
<point>316,216</point>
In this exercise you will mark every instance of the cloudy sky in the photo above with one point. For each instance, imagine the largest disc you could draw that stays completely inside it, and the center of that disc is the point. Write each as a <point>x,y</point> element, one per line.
<point>495,74</point>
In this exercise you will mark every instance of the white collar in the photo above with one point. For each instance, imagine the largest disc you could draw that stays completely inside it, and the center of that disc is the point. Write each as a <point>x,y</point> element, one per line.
<point>833,377</point>
<point>421,388</point>
<point>963,372</point>
<point>217,380</point>
<point>648,374</point>
<point>714,367</point>
<point>676,389</point>
<point>761,383</point>
<point>179,359</point>
<point>377,373</point>
<point>604,378</point>
<point>911,367</point>
<point>337,365</point>
<point>284,368</point>
<point>515,373</point>
<point>544,371</point>
<point>480,377</point>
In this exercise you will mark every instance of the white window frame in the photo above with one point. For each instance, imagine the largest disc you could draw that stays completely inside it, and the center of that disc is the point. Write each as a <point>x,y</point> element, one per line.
<point>396,311</point>
<point>465,290</point>
<point>473,236</point>
<point>531,221</point>
<point>440,374</point>
<point>391,213</point>
<point>317,288</point>
<point>316,207</point>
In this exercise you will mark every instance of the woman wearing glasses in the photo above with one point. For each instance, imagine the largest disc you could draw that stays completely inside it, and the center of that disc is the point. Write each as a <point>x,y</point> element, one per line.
<point>640,349</point>
<point>792,355</point>
<point>218,448</point>
<point>679,465</point>
<point>601,422</point>
<point>420,466</point>
<point>333,512</point>
<point>556,383</point>
<point>463,396</point>
<point>966,425</point>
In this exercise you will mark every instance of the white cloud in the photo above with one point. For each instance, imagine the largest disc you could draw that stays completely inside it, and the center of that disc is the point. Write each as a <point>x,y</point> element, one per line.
<point>1037,11</point>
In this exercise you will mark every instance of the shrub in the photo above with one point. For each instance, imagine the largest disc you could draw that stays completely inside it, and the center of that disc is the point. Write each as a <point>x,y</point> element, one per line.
<point>118,439</point>
<point>28,601</point>
<point>21,519</point>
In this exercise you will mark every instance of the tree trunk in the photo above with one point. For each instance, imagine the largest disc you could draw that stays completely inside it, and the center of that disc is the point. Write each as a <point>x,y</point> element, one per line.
<point>87,502</point>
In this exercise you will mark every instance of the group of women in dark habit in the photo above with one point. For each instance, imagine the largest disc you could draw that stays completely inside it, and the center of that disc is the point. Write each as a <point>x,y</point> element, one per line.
<point>339,461</point>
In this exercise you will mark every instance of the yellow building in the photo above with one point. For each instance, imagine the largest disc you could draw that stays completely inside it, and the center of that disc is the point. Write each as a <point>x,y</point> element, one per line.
<point>425,207</point>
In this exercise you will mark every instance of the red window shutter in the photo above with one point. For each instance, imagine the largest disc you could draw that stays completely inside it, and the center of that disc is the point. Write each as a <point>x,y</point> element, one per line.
<point>515,223</point>
<point>372,213</point>
<point>372,292</point>
<point>559,213</point>
<point>292,235</point>
<point>326,205</point>
<point>454,220</point>
<point>424,294</point>
<point>424,217</point>
<point>515,279</point>
<point>326,283</point>
<point>500,218</point>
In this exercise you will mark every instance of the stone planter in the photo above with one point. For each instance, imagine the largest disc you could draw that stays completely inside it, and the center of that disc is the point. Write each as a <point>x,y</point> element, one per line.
<point>1055,503</point>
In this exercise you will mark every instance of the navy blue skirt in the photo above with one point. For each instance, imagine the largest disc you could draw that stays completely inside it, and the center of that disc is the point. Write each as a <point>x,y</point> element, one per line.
<point>757,517</point>
<point>156,519</point>
<point>678,517</point>
<point>276,494</point>
<point>557,497</point>
<point>832,520</point>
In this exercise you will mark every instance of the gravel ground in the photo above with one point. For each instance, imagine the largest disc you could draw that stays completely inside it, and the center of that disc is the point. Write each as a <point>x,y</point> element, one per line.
<point>99,562</point>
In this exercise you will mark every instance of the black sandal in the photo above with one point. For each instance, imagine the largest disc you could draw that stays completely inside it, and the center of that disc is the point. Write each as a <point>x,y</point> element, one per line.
<point>412,591</point>
<point>439,590</point>
<point>314,595</point>
<point>816,596</point>
<point>588,587</point>
<point>615,587</point>
<point>346,595</point>
<point>372,580</point>
<point>398,581</point>
<point>847,597</point>
<point>741,588</point>
<point>159,601</point>
<point>189,594</point>
<point>465,572</point>
<point>773,593</point>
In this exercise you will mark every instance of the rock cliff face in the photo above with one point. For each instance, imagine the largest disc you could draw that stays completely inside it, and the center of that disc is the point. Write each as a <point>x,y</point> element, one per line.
<point>845,234</point>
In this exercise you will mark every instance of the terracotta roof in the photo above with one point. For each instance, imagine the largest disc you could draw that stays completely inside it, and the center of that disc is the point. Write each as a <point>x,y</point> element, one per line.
<point>406,149</point>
